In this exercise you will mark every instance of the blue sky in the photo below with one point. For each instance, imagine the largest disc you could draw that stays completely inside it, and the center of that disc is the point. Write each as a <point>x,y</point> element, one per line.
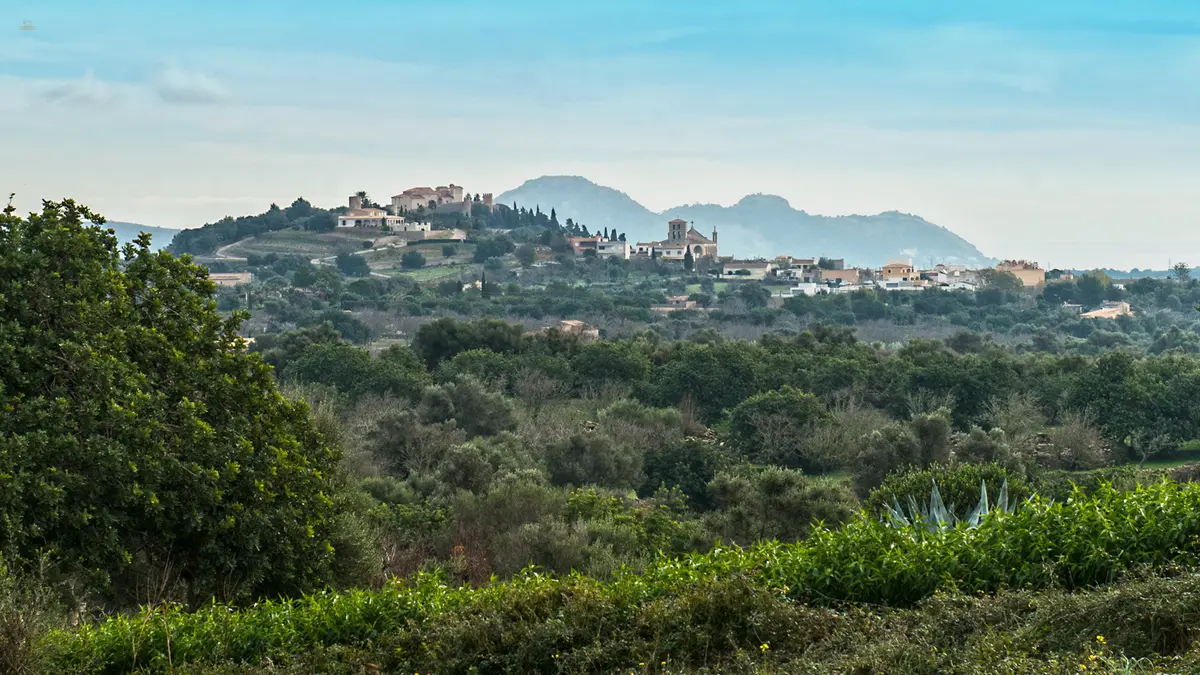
<point>1060,131</point>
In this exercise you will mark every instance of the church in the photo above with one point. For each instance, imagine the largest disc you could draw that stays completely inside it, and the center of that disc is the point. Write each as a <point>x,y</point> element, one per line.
<point>681,237</point>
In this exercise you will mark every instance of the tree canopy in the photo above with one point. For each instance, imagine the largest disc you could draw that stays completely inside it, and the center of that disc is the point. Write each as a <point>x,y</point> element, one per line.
<point>137,434</point>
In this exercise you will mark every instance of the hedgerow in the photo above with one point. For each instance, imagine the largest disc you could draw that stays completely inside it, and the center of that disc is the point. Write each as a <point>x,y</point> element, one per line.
<point>697,605</point>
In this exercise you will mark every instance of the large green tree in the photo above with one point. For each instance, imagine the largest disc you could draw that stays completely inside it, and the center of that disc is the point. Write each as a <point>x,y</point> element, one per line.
<point>138,436</point>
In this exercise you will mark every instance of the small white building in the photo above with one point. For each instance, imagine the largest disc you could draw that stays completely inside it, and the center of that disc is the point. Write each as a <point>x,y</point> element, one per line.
<point>613,249</point>
<point>806,288</point>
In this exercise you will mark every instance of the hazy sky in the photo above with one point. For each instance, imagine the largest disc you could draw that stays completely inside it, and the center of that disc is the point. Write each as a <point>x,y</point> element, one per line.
<point>1061,131</point>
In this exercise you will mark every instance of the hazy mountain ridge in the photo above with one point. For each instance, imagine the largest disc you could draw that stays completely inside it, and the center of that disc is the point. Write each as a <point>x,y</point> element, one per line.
<point>758,225</point>
<point>160,237</point>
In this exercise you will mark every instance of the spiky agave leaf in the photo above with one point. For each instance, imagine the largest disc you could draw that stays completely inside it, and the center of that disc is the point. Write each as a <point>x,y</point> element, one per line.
<point>981,509</point>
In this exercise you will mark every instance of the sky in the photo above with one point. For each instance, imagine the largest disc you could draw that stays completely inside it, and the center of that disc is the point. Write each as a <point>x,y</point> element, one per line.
<point>1064,132</point>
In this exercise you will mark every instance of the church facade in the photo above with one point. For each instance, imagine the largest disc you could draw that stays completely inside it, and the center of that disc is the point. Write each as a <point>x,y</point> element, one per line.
<point>681,238</point>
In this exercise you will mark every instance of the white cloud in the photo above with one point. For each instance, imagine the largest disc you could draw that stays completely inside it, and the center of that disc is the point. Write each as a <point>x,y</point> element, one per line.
<point>88,92</point>
<point>177,85</point>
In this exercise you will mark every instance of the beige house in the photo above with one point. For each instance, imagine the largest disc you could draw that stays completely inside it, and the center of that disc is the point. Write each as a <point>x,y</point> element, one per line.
<point>748,270</point>
<point>898,272</point>
<point>357,216</point>
<point>1030,274</point>
<point>843,277</point>
<point>230,278</point>
<point>674,304</point>
<point>1109,310</point>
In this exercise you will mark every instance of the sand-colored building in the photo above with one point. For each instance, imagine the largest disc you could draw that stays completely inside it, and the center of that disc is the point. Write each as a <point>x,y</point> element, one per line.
<point>1030,273</point>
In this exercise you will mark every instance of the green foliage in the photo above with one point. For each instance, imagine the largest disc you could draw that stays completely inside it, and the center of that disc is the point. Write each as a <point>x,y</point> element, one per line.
<point>697,607</point>
<point>592,459</point>
<point>958,484</point>
<point>280,349</point>
<point>353,265</point>
<point>469,405</point>
<point>776,504</point>
<point>443,338</point>
<point>356,373</point>
<point>922,441</point>
<point>412,260</point>
<point>773,427</point>
<point>137,435</point>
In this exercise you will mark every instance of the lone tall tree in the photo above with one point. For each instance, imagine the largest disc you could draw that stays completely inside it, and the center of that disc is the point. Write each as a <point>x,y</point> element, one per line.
<point>689,262</point>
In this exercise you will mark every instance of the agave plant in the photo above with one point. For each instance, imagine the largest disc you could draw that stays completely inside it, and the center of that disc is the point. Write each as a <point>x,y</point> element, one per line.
<point>938,517</point>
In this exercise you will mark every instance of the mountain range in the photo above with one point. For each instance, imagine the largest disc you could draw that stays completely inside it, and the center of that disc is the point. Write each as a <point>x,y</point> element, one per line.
<point>757,226</point>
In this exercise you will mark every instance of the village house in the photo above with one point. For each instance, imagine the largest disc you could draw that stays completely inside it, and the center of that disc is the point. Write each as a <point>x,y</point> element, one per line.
<point>899,271</point>
<point>840,277</point>
<point>586,332</point>
<point>1109,310</point>
<point>357,216</point>
<point>746,270</point>
<point>603,247</point>
<point>796,269</point>
<point>230,278</point>
<point>1030,274</point>
<point>674,304</point>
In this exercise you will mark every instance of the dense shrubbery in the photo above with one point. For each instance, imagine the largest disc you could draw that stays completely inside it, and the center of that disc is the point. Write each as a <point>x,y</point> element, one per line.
<point>701,606</point>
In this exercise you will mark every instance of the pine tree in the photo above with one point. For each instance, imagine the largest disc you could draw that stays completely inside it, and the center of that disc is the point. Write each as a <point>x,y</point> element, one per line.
<point>606,234</point>
<point>689,262</point>
<point>622,237</point>
<point>483,285</point>
<point>553,218</point>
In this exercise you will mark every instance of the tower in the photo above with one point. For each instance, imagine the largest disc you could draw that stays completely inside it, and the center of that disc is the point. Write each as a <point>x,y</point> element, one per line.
<point>677,230</point>
<point>355,203</point>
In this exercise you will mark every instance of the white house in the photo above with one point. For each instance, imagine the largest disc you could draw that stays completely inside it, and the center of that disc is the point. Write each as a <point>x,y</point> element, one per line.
<point>614,249</point>
<point>807,288</point>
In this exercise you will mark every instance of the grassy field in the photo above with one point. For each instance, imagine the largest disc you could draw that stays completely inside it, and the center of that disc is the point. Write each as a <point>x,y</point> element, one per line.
<point>299,242</point>
<point>428,274</point>
<point>717,287</point>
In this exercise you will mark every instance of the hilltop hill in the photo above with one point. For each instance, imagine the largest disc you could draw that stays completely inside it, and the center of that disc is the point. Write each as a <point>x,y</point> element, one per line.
<point>758,225</point>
